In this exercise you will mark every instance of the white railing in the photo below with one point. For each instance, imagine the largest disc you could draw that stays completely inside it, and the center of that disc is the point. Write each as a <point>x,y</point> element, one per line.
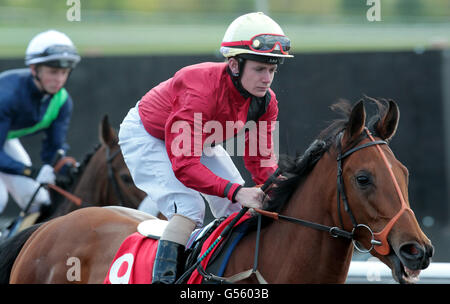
<point>378,273</point>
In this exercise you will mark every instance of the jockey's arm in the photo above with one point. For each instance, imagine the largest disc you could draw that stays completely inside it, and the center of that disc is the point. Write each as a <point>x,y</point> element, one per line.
<point>179,132</point>
<point>7,163</point>
<point>56,133</point>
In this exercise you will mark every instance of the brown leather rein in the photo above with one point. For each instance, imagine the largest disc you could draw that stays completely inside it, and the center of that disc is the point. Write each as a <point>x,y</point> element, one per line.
<point>379,239</point>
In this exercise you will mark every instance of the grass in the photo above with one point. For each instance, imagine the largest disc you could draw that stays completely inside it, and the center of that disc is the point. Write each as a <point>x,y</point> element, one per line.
<point>139,39</point>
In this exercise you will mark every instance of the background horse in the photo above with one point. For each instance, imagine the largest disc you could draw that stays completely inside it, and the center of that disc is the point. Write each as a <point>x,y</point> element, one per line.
<point>102,179</point>
<point>376,198</point>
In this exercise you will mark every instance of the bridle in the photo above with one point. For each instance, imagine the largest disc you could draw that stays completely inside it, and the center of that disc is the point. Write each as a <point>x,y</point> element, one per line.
<point>111,174</point>
<point>111,177</point>
<point>341,191</point>
<point>378,240</point>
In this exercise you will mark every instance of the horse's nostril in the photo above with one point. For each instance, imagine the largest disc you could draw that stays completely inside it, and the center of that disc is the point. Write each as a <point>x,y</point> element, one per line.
<point>414,256</point>
<point>412,251</point>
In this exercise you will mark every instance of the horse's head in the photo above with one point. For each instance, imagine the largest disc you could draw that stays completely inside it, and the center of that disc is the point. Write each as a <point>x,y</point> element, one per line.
<point>120,188</point>
<point>375,185</point>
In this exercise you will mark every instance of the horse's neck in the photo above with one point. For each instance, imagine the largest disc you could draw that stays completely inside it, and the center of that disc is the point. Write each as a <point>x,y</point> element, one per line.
<point>290,253</point>
<point>91,181</point>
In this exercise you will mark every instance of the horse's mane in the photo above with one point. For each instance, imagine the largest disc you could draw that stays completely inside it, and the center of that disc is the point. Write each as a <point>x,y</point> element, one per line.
<point>80,170</point>
<point>86,160</point>
<point>296,169</point>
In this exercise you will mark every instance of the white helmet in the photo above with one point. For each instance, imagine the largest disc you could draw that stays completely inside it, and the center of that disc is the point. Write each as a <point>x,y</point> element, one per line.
<point>257,37</point>
<point>52,48</point>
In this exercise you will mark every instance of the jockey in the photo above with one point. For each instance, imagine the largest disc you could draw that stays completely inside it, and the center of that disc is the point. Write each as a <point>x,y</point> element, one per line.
<point>34,100</point>
<point>166,137</point>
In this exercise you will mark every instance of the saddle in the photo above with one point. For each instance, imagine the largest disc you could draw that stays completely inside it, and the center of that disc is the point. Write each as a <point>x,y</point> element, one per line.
<point>133,263</point>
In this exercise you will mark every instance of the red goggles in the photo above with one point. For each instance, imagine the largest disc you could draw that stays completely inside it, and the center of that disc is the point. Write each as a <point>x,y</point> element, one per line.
<point>264,43</point>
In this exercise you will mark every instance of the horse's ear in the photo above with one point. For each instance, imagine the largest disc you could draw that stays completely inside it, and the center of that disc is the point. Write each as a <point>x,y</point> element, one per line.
<point>356,123</point>
<point>107,134</point>
<point>387,126</point>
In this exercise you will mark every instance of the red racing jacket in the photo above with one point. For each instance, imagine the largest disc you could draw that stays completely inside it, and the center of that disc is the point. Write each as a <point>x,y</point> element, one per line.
<point>201,105</point>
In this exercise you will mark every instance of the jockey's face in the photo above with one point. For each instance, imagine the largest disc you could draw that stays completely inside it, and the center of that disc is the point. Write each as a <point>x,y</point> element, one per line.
<point>50,79</point>
<point>257,76</point>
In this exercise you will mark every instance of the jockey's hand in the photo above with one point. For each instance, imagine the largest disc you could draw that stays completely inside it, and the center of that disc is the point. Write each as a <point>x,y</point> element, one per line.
<point>46,175</point>
<point>282,177</point>
<point>250,197</point>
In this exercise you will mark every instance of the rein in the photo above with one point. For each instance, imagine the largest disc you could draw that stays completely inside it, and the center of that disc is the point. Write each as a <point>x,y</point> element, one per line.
<point>64,160</point>
<point>335,231</point>
<point>378,240</point>
<point>111,176</point>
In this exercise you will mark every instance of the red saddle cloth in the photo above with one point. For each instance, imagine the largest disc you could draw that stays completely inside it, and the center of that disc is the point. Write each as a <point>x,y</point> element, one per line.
<point>133,263</point>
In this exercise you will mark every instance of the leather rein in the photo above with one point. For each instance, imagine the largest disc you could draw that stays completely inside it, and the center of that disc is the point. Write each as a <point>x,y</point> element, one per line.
<point>378,240</point>
<point>111,177</point>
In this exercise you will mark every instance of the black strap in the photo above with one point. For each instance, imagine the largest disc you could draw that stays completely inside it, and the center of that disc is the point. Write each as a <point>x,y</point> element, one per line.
<point>233,197</point>
<point>227,189</point>
<point>341,192</point>
<point>271,179</point>
<point>372,143</point>
<point>258,234</point>
<point>334,231</point>
<point>340,181</point>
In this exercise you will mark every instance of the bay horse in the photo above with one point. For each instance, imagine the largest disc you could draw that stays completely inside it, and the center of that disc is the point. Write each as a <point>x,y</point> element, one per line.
<point>102,179</point>
<point>372,185</point>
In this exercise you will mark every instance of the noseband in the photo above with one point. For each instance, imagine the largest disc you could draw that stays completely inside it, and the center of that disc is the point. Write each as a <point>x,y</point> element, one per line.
<point>378,240</point>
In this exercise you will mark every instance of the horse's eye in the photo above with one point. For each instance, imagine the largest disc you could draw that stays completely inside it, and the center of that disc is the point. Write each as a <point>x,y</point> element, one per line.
<point>363,180</point>
<point>126,178</point>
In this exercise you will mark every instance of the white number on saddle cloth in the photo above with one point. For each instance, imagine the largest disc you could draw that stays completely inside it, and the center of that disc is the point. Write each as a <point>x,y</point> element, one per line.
<point>121,269</point>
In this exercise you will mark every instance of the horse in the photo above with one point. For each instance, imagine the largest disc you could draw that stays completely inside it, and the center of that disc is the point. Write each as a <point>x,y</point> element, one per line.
<point>371,184</point>
<point>102,179</point>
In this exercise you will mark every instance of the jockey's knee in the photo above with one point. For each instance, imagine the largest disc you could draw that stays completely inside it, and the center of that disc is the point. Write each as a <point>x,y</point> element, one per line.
<point>191,207</point>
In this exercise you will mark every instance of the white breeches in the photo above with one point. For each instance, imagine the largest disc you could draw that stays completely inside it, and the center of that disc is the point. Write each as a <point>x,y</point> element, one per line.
<point>20,187</point>
<point>151,170</point>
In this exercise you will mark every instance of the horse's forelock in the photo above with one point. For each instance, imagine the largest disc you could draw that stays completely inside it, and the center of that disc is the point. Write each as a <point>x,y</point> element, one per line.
<point>88,157</point>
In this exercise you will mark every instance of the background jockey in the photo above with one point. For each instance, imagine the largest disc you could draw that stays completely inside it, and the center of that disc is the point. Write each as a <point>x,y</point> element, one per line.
<point>164,142</point>
<point>34,100</point>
